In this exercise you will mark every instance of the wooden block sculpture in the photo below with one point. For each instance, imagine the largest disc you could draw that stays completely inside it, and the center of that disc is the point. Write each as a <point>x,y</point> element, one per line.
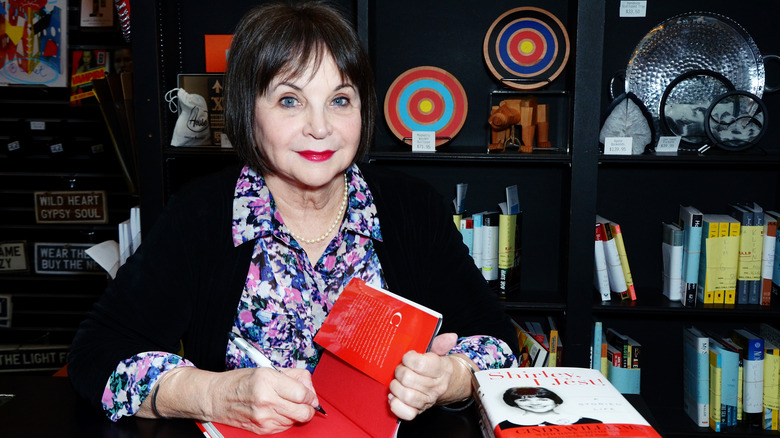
<point>520,123</point>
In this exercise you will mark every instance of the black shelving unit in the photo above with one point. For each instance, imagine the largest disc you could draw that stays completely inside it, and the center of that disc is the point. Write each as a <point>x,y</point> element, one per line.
<point>560,192</point>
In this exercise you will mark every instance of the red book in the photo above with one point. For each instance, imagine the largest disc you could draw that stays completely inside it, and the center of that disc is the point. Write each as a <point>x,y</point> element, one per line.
<point>365,336</point>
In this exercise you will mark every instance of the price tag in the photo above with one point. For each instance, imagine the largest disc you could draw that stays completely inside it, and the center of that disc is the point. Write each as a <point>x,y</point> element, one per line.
<point>617,145</point>
<point>14,146</point>
<point>633,8</point>
<point>56,148</point>
<point>423,141</point>
<point>667,145</point>
<point>37,126</point>
<point>96,148</point>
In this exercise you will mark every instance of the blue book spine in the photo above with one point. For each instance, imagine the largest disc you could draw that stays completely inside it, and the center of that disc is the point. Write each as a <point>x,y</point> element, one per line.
<point>692,229</point>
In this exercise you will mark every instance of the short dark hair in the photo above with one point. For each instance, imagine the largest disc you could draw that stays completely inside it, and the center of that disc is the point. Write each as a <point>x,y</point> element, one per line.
<point>518,392</point>
<point>282,39</point>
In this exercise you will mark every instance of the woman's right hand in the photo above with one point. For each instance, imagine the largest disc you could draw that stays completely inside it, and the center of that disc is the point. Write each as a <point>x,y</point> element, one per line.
<point>261,400</point>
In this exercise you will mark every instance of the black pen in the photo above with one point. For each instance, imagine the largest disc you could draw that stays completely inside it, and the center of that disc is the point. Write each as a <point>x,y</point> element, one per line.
<point>258,358</point>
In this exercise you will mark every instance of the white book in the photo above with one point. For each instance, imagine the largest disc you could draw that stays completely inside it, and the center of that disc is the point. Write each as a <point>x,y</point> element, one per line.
<point>555,402</point>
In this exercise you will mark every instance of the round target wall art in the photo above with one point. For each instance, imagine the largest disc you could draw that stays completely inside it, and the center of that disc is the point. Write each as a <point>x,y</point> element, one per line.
<point>526,48</point>
<point>426,99</point>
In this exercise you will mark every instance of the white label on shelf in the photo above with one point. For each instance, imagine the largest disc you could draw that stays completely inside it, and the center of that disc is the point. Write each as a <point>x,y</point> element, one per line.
<point>56,148</point>
<point>37,126</point>
<point>633,8</point>
<point>14,146</point>
<point>617,145</point>
<point>423,141</point>
<point>667,144</point>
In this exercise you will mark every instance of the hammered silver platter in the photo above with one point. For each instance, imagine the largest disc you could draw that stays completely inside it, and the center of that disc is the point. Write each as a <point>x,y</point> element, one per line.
<point>693,41</point>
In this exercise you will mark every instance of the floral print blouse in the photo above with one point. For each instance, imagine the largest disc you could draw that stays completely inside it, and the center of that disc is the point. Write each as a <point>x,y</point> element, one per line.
<point>286,297</point>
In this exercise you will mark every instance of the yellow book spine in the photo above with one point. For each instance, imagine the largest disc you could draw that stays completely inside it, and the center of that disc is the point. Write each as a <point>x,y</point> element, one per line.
<point>621,247</point>
<point>730,298</point>
<point>720,294</point>
<point>709,294</point>
<point>715,392</point>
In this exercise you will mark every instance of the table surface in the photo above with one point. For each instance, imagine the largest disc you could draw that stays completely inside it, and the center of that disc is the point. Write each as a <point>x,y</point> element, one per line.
<point>45,406</point>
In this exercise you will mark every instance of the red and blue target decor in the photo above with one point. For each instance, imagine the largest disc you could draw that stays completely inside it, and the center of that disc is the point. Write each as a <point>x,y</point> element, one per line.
<point>426,99</point>
<point>526,48</point>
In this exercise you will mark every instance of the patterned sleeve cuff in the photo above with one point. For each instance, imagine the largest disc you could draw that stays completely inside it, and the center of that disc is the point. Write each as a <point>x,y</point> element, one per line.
<point>486,352</point>
<point>133,379</point>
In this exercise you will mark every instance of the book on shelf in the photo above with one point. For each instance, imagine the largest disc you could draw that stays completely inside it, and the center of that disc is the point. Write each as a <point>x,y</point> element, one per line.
<point>467,232</point>
<point>538,332</point>
<point>490,246</point>
<point>696,376</point>
<point>733,230</point>
<point>752,355</point>
<point>690,220</point>
<point>768,258</point>
<point>745,219</point>
<point>771,337</point>
<point>621,343</point>
<point>532,353</point>
<point>555,358</point>
<point>614,356</point>
<point>716,386</point>
<point>617,233</point>
<point>636,353</point>
<point>552,402</point>
<point>718,259</point>
<point>617,280</point>
<point>477,241</point>
<point>751,243</point>
<point>730,378</point>
<point>755,237</point>
<point>672,258</point>
<point>509,251</point>
<point>596,346</point>
<point>771,390</point>
<point>776,262</point>
<point>600,273</point>
<point>359,349</point>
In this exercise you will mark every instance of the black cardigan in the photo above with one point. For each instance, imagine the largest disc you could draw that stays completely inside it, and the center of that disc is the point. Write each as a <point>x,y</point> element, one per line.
<point>182,286</point>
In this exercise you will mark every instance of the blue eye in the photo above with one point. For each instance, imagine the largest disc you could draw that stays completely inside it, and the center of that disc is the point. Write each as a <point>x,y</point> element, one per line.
<point>288,101</point>
<point>341,101</point>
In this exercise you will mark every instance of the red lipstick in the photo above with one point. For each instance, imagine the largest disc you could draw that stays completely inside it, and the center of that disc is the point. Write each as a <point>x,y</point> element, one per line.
<point>316,156</point>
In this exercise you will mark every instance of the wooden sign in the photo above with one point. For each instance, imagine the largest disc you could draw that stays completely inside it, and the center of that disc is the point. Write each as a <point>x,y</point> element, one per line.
<point>13,257</point>
<point>78,207</point>
<point>65,258</point>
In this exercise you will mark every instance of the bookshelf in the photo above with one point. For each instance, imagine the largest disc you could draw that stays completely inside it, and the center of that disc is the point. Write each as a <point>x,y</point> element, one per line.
<point>560,192</point>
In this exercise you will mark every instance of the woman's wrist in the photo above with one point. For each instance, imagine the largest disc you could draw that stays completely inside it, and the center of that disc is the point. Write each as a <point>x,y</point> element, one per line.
<point>460,381</point>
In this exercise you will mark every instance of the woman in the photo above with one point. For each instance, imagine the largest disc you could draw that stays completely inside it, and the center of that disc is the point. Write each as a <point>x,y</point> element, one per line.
<point>539,407</point>
<point>262,252</point>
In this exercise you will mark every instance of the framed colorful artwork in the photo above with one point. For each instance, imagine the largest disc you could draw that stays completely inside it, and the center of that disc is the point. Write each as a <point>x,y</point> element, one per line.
<point>33,43</point>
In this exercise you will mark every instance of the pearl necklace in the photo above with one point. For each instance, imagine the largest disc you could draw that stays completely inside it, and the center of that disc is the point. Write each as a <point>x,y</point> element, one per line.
<point>336,221</point>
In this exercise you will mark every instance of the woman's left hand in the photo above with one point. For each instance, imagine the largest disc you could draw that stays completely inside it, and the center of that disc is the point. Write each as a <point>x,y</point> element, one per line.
<point>423,380</point>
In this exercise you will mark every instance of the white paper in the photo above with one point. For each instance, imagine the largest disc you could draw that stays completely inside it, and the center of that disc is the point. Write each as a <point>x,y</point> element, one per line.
<point>106,254</point>
<point>633,8</point>
<point>135,229</point>
<point>617,145</point>
<point>667,144</point>
<point>423,141</point>
<point>124,241</point>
